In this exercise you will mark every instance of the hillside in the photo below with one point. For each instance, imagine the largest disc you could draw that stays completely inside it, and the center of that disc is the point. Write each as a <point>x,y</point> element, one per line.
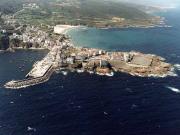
<point>10,6</point>
<point>98,9</point>
<point>83,12</point>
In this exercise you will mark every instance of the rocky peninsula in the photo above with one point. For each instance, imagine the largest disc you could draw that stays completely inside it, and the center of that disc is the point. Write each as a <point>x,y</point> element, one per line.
<point>64,56</point>
<point>22,30</point>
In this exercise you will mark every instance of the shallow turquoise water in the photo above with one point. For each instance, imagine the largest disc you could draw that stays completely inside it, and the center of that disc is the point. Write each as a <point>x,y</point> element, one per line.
<point>151,40</point>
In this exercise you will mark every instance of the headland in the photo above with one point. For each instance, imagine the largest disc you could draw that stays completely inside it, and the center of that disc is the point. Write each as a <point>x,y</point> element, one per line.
<point>63,55</point>
<point>33,26</point>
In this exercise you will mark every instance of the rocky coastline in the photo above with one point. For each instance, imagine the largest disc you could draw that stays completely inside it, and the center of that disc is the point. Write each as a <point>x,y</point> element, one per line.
<point>63,55</point>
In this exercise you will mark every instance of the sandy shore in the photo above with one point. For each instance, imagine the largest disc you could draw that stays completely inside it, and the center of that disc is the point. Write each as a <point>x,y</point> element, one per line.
<point>63,29</point>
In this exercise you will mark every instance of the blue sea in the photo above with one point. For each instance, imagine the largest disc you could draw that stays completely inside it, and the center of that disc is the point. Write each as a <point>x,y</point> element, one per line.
<point>84,104</point>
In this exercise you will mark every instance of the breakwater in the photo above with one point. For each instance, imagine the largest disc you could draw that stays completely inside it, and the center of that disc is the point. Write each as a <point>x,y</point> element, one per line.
<point>30,81</point>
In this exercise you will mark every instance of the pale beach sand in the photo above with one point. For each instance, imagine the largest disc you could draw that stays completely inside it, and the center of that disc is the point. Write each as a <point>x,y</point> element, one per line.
<point>63,29</point>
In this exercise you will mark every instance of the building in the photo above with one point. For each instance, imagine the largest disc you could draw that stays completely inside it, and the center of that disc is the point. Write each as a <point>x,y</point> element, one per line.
<point>128,57</point>
<point>104,64</point>
<point>80,57</point>
<point>70,60</point>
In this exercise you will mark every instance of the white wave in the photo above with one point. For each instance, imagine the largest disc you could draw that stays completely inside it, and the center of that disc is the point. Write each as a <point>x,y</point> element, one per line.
<point>91,72</point>
<point>105,113</point>
<point>110,74</point>
<point>177,66</point>
<point>64,72</point>
<point>107,74</point>
<point>172,72</point>
<point>134,106</point>
<point>31,129</point>
<point>80,70</point>
<point>173,89</point>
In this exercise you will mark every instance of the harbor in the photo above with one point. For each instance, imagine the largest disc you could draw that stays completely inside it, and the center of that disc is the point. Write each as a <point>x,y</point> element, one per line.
<point>40,73</point>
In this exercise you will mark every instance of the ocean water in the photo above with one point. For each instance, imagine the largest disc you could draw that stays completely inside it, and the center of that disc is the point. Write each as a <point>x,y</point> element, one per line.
<point>153,40</point>
<point>84,104</point>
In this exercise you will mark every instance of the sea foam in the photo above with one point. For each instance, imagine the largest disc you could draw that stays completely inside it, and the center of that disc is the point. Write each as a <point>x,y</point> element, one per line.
<point>177,66</point>
<point>173,89</point>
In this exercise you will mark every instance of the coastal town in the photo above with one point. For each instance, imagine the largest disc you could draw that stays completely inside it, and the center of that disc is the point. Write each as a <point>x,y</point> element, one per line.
<point>64,56</point>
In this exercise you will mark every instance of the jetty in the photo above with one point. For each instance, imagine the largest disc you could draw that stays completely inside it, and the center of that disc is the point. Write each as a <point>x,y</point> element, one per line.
<point>30,81</point>
<point>40,73</point>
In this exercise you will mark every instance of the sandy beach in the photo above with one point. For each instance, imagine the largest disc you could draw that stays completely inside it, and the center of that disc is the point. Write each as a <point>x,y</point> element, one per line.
<point>63,29</point>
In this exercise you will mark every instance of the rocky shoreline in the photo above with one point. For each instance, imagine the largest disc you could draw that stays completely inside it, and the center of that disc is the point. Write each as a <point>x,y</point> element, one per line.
<point>63,55</point>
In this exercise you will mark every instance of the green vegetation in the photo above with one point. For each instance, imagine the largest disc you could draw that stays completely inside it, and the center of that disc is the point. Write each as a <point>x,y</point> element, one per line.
<point>83,12</point>
<point>10,6</point>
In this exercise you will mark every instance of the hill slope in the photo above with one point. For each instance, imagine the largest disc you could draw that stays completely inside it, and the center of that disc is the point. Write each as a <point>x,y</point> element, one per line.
<point>85,12</point>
